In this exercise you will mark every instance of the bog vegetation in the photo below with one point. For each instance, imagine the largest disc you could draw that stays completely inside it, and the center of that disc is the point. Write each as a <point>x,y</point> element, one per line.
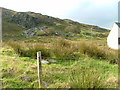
<point>80,64</point>
<point>63,49</point>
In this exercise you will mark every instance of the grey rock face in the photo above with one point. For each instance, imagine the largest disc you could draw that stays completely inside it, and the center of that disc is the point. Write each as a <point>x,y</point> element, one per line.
<point>32,32</point>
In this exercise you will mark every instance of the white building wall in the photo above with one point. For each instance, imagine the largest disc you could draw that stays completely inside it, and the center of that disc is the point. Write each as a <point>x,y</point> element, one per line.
<point>112,39</point>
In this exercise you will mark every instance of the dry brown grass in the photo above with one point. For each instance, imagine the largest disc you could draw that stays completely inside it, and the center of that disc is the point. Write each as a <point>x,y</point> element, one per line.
<point>62,49</point>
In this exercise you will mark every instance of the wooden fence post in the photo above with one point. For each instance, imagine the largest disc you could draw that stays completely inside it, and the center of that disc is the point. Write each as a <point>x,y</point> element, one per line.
<point>39,69</point>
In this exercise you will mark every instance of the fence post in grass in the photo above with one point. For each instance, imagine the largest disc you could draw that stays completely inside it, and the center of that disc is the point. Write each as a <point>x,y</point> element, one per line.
<point>39,65</point>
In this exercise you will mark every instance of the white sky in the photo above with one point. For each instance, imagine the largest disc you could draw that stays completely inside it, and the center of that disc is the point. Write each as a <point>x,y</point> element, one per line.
<point>98,12</point>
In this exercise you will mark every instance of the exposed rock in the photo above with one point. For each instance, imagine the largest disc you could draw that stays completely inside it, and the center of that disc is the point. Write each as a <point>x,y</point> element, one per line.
<point>32,32</point>
<point>26,78</point>
<point>45,62</point>
<point>53,61</point>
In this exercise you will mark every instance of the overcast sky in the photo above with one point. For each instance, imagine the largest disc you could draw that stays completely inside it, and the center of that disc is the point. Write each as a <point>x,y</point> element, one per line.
<point>95,12</point>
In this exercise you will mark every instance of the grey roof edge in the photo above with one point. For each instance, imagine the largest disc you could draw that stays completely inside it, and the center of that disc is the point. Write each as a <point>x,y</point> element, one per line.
<point>118,24</point>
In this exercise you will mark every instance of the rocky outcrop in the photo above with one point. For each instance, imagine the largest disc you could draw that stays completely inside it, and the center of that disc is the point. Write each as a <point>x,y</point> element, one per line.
<point>25,20</point>
<point>28,19</point>
<point>33,31</point>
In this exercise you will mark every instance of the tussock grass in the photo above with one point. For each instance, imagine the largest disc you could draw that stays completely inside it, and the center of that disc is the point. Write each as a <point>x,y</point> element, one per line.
<point>63,49</point>
<point>86,78</point>
<point>30,49</point>
<point>92,50</point>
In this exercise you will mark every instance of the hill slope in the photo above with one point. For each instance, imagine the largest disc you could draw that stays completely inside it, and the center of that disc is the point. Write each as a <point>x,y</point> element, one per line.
<point>29,24</point>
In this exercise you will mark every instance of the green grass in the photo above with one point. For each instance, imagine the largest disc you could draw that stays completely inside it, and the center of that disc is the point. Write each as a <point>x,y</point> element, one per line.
<point>11,31</point>
<point>81,73</point>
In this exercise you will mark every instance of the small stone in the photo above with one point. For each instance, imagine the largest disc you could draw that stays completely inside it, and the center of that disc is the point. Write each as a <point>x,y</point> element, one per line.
<point>53,61</point>
<point>26,78</point>
<point>14,57</point>
<point>44,62</point>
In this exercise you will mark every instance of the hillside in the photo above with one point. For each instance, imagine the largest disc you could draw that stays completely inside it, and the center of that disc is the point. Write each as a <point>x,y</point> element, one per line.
<point>23,25</point>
